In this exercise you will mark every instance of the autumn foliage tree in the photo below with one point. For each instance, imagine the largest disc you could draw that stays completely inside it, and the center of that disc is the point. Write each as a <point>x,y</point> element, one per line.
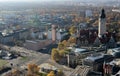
<point>61,46</point>
<point>58,53</point>
<point>60,73</point>
<point>33,70</point>
<point>72,30</point>
<point>72,40</point>
<point>61,53</point>
<point>55,54</point>
<point>51,74</point>
<point>15,72</point>
<point>65,43</point>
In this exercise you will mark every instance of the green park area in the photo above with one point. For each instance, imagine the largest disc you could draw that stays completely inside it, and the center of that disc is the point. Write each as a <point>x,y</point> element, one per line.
<point>24,58</point>
<point>2,62</point>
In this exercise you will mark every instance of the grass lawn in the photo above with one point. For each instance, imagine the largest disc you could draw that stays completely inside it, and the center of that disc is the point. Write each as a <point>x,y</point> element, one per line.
<point>2,62</point>
<point>24,58</point>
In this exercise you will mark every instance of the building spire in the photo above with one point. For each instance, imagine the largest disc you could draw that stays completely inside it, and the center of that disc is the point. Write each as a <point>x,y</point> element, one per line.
<point>103,14</point>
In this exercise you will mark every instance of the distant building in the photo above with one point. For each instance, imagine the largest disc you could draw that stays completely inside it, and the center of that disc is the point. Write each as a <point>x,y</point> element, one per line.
<point>32,35</point>
<point>82,13</point>
<point>8,37</point>
<point>59,34</point>
<point>76,56</point>
<point>49,34</point>
<point>35,33</point>
<point>88,13</point>
<point>96,61</point>
<point>79,51</point>
<point>87,34</point>
<point>53,32</point>
<point>71,59</point>
<point>102,24</point>
<point>23,33</point>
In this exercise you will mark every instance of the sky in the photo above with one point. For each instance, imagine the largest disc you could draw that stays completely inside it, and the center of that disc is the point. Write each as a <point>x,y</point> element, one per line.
<point>17,0</point>
<point>33,0</point>
<point>48,0</point>
<point>25,0</point>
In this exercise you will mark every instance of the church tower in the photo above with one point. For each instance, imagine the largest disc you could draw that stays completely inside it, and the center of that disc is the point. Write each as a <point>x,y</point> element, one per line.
<point>102,24</point>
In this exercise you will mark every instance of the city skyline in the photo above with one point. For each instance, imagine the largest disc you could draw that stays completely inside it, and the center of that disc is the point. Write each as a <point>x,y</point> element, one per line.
<point>59,37</point>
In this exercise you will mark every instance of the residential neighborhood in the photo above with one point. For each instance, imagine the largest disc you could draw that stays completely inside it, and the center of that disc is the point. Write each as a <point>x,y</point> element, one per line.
<point>60,38</point>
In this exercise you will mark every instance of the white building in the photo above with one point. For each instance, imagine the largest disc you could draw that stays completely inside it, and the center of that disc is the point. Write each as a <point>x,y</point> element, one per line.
<point>49,34</point>
<point>59,35</point>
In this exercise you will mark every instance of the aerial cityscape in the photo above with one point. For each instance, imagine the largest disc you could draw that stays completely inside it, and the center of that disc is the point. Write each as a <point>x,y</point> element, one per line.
<point>60,38</point>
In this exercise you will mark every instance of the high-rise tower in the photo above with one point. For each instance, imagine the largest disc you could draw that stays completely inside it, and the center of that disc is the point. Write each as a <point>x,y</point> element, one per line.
<point>53,32</point>
<point>102,23</point>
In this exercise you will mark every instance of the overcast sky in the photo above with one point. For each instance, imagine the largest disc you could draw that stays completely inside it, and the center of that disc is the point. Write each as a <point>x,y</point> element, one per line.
<point>50,0</point>
<point>28,0</point>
